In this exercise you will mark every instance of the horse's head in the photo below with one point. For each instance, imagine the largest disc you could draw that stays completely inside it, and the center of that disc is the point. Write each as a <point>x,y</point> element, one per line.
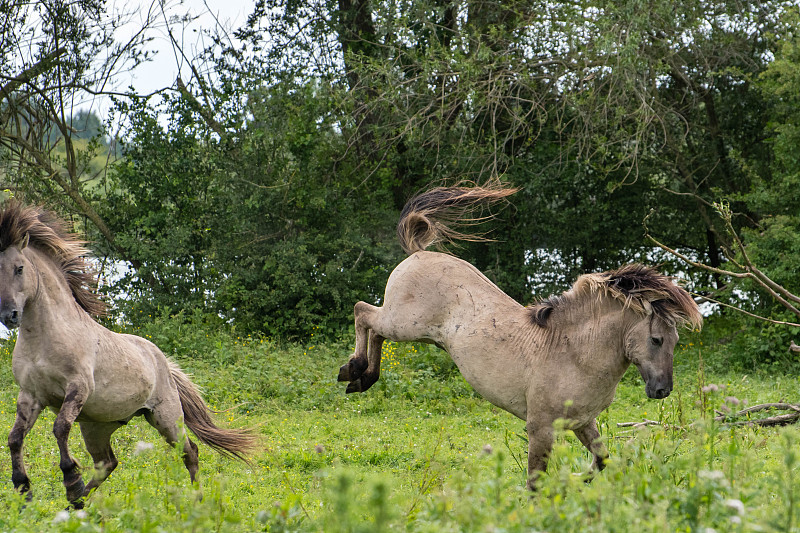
<point>17,282</point>
<point>649,345</point>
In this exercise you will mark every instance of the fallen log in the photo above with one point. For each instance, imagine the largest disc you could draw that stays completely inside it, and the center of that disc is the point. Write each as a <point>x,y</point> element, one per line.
<point>730,419</point>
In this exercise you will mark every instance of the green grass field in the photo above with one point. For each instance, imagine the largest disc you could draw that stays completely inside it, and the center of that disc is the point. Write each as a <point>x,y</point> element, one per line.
<point>421,452</point>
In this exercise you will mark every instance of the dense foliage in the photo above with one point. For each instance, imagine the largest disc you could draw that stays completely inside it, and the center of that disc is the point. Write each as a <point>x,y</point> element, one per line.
<point>264,189</point>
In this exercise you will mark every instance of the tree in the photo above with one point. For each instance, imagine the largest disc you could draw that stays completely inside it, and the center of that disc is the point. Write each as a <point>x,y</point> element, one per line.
<point>55,57</point>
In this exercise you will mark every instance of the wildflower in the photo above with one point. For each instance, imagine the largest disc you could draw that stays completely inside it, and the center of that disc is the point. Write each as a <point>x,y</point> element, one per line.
<point>735,505</point>
<point>142,447</point>
<point>61,516</point>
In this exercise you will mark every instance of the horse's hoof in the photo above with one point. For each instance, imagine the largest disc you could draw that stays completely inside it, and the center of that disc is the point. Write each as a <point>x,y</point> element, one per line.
<point>344,372</point>
<point>75,494</point>
<point>352,370</point>
<point>76,505</point>
<point>354,386</point>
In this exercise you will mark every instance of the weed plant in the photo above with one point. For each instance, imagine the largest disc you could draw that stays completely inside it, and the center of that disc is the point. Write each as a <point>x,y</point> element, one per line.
<point>420,451</point>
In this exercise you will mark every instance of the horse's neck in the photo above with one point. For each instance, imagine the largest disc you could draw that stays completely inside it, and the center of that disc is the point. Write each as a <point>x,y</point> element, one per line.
<point>595,331</point>
<point>52,303</point>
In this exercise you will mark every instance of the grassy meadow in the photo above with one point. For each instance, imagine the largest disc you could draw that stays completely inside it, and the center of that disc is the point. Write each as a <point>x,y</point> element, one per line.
<point>421,452</point>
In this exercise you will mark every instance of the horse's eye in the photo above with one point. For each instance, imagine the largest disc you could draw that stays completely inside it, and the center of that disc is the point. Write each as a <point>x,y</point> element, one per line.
<point>657,341</point>
<point>18,271</point>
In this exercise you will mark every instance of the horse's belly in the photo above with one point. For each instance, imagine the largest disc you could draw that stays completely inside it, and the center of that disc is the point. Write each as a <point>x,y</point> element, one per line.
<point>497,384</point>
<point>119,395</point>
<point>114,405</point>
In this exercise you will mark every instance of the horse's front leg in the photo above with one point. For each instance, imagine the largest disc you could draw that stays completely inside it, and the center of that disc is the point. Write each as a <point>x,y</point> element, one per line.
<point>590,437</point>
<point>28,410</point>
<point>540,444</point>
<point>74,399</point>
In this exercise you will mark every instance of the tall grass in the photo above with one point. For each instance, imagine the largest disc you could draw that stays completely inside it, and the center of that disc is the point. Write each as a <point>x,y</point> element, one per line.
<point>420,451</point>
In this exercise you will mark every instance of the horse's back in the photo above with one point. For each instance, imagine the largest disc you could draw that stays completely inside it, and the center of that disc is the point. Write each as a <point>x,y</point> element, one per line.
<point>436,289</point>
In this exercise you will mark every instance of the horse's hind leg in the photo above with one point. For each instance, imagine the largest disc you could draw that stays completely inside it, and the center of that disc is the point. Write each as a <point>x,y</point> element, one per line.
<point>165,418</point>
<point>74,399</point>
<point>97,437</point>
<point>373,370</point>
<point>590,437</point>
<point>28,410</point>
<point>364,367</point>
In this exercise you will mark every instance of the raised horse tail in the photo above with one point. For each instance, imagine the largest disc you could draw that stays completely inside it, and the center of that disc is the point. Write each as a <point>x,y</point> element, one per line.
<point>433,216</point>
<point>197,417</point>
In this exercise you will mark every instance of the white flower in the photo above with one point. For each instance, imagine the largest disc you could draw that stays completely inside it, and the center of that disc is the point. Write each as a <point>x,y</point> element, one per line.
<point>61,516</point>
<point>735,505</point>
<point>142,447</point>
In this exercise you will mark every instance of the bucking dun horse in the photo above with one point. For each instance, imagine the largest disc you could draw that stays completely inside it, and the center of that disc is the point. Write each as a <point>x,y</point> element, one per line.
<point>559,358</point>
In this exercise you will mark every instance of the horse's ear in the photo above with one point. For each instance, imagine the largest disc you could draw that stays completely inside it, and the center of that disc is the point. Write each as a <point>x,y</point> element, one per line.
<point>648,307</point>
<point>24,242</point>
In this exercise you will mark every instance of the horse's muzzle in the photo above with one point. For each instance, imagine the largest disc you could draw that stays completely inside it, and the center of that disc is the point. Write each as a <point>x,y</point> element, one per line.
<point>10,318</point>
<point>657,393</point>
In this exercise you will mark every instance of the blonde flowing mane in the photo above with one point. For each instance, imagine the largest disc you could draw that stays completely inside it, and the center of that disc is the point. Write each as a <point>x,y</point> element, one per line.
<point>635,285</point>
<point>48,233</point>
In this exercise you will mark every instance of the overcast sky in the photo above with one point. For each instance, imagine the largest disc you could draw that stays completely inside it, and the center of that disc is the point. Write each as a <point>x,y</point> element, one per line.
<point>164,69</point>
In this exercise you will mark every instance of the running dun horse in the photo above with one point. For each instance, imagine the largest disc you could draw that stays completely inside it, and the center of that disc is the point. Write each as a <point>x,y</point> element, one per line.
<point>559,358</point>
<point>65,361</point>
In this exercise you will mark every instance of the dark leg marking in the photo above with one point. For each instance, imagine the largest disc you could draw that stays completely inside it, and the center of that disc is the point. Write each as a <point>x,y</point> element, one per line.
<point>28,410</point>
<point>70,409</point>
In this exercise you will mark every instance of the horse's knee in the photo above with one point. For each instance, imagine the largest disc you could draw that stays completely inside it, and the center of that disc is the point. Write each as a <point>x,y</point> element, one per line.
<point>15,441</point>
<point>106,466</point>
<point>61,429</point>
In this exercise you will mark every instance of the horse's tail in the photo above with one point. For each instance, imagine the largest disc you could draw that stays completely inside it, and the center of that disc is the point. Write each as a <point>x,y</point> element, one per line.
<point>197,417</point>
<point>430,217</point>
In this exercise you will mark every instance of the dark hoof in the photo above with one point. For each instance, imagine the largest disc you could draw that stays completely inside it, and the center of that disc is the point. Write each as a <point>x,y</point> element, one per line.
<point>75,494</point>
<point>352,370</point>
<point>354,386</point>
<point>362,384</point>
<point>76,504</point>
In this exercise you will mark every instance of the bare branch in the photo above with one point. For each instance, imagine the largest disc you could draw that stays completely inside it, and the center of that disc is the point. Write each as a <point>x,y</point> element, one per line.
<point>748,313</point>
<point>43,65</point>
<point>778,292</point>
<point>729,419</point>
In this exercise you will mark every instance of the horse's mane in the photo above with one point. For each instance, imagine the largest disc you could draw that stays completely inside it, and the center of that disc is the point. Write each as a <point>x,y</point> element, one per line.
<point>48,233</point>
<point>634,285</point>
